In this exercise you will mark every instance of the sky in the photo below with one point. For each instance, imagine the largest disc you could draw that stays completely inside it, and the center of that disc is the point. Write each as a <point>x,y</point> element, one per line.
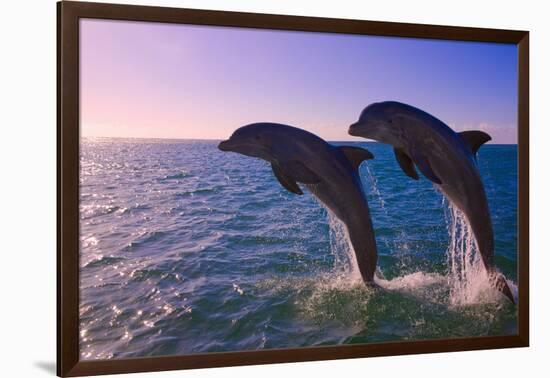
<point>155,80</point>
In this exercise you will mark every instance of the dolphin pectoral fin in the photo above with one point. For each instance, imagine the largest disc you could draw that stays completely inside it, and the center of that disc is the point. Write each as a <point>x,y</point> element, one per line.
<point>406,163</point>
<point>299,172</point>
<point>287,182</point>
<point>356,155</point>
<point>424,165</point>
<point>474,139</point>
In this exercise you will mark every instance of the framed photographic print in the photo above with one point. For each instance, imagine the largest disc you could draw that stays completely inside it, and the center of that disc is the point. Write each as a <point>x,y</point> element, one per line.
<point>240,188</point>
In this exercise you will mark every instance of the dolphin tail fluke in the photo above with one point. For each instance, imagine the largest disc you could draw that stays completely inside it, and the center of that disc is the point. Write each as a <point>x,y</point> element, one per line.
<point>502,285</point>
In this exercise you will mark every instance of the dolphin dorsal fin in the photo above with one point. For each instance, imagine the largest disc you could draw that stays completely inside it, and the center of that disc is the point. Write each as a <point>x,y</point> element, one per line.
<point>474,139</point>
<point>406,163</point>
<point>287,182</point>
<point>356,155</point>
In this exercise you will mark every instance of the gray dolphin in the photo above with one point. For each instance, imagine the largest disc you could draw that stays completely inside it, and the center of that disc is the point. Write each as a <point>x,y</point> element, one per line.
<point>446,158</point>
<point>330,173</point>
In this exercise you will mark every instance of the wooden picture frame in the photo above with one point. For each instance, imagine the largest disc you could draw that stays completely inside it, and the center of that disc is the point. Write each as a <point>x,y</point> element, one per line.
<point>69,14</point>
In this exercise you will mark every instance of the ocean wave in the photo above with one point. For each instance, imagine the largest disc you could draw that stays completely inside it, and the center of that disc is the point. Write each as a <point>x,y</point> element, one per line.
<point>144,239</point>
<point>104,261</point>
<point>94,210</point>
<point>175,176</point>
<point>224,259</point>
<point>158,274</point>
<point>195,192</point>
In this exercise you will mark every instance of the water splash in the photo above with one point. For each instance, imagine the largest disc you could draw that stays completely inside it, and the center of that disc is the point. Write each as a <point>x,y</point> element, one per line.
<point>345,262</point>
<point>397,242</point>
<point>468,280</point>
<point>374,187</point>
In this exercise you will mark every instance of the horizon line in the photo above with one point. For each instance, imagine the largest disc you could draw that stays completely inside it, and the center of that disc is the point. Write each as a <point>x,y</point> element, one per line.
<point>364,140</point>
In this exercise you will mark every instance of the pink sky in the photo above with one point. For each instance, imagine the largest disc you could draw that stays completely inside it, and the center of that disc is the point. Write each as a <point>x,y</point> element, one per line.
<point>153,80</point>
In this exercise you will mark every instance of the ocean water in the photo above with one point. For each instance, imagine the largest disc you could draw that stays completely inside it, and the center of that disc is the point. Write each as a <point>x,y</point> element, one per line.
<point>186,249</point>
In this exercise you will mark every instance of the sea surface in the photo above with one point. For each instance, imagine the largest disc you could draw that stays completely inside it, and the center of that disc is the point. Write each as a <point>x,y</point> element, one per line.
<point>186,249</point>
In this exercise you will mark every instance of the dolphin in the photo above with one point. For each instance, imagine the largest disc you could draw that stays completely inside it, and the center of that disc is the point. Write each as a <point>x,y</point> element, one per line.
<point>329,172</point>
<point>445,157</point>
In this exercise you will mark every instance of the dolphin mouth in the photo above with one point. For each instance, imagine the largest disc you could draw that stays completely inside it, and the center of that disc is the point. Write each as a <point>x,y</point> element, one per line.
<point>226,145</point>
<point>353,129</point>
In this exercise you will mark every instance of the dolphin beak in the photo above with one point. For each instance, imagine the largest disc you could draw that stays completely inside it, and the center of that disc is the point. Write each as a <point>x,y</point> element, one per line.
<point>353,129</point>
<point>225,145</point>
